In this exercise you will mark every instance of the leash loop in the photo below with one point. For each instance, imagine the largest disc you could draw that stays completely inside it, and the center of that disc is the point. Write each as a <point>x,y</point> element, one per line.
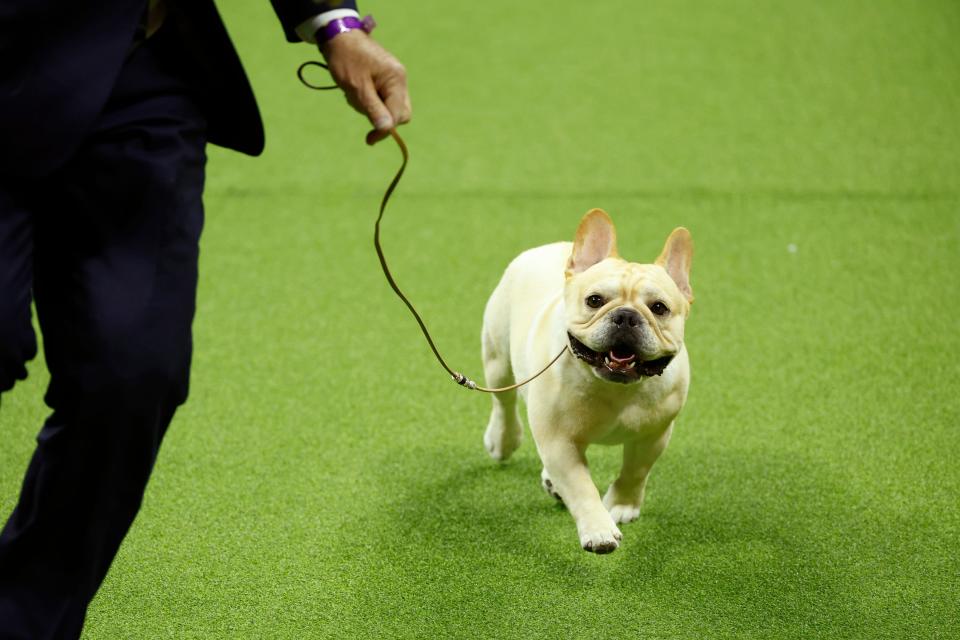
<point>307,83</point>
<point>457,377</point>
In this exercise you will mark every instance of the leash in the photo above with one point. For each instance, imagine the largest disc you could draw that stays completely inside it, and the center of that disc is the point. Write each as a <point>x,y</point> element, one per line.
<point>458,377</point>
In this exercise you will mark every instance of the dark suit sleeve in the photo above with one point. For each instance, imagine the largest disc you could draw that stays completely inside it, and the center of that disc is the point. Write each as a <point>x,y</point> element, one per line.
<point>293,12</point>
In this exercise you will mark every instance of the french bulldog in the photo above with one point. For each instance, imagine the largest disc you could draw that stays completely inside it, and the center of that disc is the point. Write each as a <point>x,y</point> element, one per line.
<point>622,381</point>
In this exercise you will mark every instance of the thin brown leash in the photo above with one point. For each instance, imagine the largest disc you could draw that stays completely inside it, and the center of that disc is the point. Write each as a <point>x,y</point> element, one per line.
<point>458,377</point>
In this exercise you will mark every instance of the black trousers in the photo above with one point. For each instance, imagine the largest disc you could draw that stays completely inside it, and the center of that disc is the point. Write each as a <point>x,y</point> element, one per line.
<point>107,247</point>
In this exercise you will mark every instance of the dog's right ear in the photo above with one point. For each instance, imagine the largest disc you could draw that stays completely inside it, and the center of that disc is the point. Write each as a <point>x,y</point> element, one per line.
<point>596,240</point>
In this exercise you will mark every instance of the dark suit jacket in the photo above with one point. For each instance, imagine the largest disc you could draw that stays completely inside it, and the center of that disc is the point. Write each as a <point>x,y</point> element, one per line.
<point>60,58</point>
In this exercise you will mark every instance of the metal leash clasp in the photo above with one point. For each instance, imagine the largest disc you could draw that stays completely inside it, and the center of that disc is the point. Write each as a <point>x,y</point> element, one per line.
<point>464,381</point>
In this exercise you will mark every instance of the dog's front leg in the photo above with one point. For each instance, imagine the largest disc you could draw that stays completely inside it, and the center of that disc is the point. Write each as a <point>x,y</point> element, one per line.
<point>566,465</point>
<point>625,496</point>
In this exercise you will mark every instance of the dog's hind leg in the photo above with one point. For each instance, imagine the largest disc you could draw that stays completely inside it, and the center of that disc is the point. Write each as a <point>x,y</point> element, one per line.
<point>547,485</point>
<point>504,430</point>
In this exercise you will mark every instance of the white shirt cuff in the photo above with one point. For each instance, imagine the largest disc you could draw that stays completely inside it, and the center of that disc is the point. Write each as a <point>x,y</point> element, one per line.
<point>307,29</point>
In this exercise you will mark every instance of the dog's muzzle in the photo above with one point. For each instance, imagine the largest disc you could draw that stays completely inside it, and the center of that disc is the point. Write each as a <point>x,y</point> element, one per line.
<point>621,363</point>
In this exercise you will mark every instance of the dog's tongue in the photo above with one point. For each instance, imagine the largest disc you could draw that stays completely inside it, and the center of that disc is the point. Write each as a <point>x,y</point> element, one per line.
<point>622,358</point>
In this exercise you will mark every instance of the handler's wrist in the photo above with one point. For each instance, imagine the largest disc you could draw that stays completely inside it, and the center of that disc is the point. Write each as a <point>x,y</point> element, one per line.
<point>308,28</point>
<point>335,27</point>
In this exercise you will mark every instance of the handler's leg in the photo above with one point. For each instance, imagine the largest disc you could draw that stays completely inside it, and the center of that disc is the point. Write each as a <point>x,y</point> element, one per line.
<point>17,342</point>
<point>116,250</point>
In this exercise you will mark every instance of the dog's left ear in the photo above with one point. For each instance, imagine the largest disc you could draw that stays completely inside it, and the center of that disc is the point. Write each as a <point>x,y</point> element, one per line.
<point>676,257</point>
<point>596,241</point>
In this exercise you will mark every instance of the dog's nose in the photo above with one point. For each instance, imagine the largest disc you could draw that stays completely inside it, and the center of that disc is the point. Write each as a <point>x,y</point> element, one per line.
<point>626,317</point>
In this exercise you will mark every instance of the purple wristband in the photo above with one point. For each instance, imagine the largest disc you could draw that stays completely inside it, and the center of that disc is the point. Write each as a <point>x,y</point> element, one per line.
<point>335,27</point>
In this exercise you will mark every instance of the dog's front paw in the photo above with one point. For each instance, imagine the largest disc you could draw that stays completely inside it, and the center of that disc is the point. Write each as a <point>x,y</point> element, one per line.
<point>622,508</point>
<point>623,513</point>
<point>601,537</point>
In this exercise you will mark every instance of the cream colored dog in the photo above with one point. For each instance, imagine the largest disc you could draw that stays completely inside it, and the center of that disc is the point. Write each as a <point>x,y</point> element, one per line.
<point>623,382</point>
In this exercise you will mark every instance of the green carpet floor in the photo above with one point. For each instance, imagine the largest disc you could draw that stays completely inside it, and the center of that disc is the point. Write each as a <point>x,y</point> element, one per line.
<point>326,481</point>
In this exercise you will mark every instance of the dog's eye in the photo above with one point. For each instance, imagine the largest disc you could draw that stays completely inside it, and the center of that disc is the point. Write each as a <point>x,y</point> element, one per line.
<point>659,309</point>
<point>595,301</point>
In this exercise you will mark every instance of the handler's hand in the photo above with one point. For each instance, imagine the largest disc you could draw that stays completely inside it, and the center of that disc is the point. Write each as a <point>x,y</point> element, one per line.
<point>375,83</point>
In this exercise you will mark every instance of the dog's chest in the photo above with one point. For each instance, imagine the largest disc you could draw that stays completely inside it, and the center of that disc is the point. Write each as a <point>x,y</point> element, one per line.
<point>640,419</point>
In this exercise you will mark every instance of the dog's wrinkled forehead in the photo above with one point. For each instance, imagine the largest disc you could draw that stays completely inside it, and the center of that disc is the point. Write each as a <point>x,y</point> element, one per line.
<point>618,280</point>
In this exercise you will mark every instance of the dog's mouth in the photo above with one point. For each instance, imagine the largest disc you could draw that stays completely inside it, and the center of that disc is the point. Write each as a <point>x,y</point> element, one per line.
<point>620,363</point>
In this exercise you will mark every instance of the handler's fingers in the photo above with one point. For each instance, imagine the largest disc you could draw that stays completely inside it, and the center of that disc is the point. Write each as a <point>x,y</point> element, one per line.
<point>392,87</point>
<point>375,136</point>
<point>398,103</point>
<point>373,107</point>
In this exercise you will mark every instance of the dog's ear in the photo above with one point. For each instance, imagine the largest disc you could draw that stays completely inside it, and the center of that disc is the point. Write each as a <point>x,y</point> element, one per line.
<point>596,240</point>
<point>676,257</point>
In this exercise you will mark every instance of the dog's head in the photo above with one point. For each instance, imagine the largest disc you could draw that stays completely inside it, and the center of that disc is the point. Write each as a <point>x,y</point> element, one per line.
<point>624,319</point>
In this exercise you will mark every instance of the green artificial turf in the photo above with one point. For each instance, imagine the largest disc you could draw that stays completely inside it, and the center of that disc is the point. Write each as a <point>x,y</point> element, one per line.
<point>326,480</point>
